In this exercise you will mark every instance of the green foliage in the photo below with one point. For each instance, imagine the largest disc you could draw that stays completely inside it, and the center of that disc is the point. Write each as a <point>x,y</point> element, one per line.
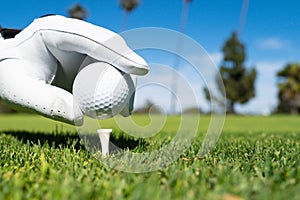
<point>192,110</point>
<point>4,108</point>
<point>289,89</point>
<point>149,107</point>
<point>129,5</point>
<point>256,158</point>
<point>238,81</point>
<point>234,51</point>
<point>77,11</point>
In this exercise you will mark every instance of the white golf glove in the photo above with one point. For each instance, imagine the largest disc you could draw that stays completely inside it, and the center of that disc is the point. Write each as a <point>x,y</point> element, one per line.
<point>39,65</point>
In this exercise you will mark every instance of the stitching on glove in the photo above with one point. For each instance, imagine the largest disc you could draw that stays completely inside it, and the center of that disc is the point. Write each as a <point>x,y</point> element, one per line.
<point>83,37</point>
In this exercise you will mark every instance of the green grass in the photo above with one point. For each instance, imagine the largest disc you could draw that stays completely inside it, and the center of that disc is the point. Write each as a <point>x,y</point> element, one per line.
<point>255,158</point>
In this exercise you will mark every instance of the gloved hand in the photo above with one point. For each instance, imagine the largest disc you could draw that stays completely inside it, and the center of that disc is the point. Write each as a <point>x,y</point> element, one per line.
<point>38,66</point>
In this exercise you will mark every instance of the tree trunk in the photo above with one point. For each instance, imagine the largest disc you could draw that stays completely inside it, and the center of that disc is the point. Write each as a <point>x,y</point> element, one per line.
<point>294,110</point>
<point>230,108</point>
<point>294,105</point>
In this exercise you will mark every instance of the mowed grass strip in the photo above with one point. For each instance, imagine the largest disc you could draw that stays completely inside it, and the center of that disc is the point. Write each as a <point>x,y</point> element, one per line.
<point>255,158</point>
<point>277,123</point>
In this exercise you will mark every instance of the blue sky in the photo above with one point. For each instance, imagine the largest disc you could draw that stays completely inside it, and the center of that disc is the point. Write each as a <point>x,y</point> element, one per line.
<point>271,32</point>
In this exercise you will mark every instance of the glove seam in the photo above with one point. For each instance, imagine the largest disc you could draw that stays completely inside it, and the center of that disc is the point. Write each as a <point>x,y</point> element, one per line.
<point>55,30</point>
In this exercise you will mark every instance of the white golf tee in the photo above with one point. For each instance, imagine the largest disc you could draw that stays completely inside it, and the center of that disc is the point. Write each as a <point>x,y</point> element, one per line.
<point>104,135</point>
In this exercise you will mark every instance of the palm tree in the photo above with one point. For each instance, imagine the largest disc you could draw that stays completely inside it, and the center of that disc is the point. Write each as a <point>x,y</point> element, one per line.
<point>128,6</point>
<point>182,25</point>
<point>243,16</point>
<point>289,88</point>
<point>77,11</point>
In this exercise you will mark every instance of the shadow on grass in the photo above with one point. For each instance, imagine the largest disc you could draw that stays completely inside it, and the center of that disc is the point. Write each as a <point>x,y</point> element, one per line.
<point>65,140</point>
<point>68,139</point>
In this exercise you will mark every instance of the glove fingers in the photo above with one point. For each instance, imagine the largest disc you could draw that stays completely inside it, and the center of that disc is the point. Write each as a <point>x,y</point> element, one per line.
<point>85,38</point>
<point>26,93</point>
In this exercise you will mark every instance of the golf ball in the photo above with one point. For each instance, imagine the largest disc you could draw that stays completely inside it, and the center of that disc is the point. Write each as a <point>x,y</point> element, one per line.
<point>101,90</point>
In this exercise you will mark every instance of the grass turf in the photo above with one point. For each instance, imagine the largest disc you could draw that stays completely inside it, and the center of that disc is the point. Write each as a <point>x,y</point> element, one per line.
<point>255,158</point>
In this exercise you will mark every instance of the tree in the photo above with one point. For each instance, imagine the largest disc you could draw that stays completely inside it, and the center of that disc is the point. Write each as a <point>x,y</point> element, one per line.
<point>77,11</point>
<point>4,108</point>
<point>149,107</point>
<point>182,26</point>
<point>289,89</point>
<point>238,81</point>
<point>128,6</point>
<point>192,110</point>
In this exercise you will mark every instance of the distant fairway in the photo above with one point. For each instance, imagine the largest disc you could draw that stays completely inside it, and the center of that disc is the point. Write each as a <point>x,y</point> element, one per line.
<point>276,123</point>
<point>256,158</point>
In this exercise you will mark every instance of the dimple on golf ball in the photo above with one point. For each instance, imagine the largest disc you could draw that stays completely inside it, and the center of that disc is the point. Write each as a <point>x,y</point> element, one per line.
<point>101,90</point>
